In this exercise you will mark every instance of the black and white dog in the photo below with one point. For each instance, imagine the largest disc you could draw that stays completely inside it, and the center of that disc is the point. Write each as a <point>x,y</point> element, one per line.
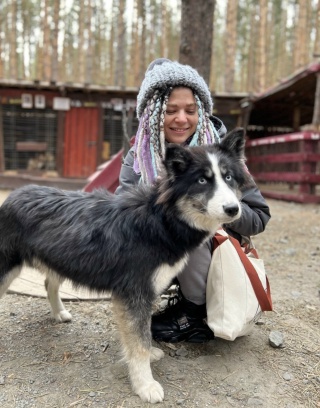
<point>131,245</point>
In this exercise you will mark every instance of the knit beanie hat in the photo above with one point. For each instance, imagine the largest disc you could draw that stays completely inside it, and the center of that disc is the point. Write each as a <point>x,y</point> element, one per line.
<point>163,73</point>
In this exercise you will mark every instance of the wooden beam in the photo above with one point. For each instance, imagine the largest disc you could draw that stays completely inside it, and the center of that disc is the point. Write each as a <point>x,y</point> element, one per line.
<point>2,162</point>
<point>298,157</point>
<point>296,118</point>
<point>31,146</point>
<point>316,109</point>
<point>288,177</point>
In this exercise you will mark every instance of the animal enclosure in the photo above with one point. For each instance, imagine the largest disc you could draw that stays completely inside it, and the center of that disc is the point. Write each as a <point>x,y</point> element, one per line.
<point>287,167</point>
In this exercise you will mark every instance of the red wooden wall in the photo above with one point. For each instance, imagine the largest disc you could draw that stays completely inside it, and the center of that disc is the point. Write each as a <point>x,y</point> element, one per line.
<point>81,136</point>
<point>287,167</point>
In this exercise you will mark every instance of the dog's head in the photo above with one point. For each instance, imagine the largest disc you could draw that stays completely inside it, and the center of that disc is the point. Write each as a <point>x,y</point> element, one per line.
<point>205,182</point>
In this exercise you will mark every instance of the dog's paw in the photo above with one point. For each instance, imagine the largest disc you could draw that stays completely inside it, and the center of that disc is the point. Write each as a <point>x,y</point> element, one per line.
<point>151,392</point>
<point>156,354</point>
<point>63,316</point>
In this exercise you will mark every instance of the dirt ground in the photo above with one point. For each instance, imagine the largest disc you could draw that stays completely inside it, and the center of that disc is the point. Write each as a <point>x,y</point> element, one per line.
<point>46,364</point>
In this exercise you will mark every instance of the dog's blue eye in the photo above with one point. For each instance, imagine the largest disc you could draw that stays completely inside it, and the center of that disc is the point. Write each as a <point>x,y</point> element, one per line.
<point>202,180</point>
<point>228,177</point>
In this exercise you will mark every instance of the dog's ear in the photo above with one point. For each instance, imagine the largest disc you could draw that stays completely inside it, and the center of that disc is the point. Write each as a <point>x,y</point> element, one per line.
<point>234,142</point>
<point>177,159</point>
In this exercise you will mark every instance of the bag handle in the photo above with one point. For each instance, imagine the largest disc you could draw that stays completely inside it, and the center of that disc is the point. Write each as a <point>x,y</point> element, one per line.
<point>263,297</point>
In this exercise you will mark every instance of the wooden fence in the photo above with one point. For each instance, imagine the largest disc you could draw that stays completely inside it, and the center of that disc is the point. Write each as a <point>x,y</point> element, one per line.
<point>287,167</point>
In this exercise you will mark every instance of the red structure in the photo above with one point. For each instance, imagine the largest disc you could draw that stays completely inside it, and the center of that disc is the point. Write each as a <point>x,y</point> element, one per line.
<point>287,166</point>
<point>107,175</point>
<point>81,141</point>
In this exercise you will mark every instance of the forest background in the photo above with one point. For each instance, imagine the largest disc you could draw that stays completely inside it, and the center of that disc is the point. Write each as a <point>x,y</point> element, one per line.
<point>255,43</point>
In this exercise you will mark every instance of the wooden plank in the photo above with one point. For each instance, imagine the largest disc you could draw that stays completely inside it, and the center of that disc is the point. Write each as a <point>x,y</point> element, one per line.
<point>292,137</point>
<point>31,283</point>
<point>316,109</point>
<point>2,161</point>
<point>285,158</point>
<point>292,177</point>
<point>31,146</point>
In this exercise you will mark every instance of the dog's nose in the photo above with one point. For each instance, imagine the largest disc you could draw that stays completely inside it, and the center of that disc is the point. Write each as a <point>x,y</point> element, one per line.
<point>231,209</point>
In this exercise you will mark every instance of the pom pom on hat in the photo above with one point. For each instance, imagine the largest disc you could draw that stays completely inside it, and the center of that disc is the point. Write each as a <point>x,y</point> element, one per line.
<point>162,74</point>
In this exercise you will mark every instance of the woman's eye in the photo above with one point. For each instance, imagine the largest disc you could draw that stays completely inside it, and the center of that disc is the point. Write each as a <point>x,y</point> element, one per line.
<point>228,177</point>
<point>202,180</point>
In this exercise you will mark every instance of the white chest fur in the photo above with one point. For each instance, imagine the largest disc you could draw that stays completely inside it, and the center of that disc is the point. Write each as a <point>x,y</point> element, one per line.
<point>165,273</point>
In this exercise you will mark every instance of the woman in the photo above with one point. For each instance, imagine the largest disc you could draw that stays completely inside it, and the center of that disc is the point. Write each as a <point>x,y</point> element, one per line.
<point>174,105</point>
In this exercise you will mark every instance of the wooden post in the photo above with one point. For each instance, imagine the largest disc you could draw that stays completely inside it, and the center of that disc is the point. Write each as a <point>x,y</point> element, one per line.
<point>316,109</point>
<point>246,108</point>
<point>296,118</point>
<point>2,165</point>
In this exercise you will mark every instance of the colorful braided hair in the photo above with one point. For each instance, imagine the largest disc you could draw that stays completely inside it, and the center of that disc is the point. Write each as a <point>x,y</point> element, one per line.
<point>150,138</point>
<point>161,77</point>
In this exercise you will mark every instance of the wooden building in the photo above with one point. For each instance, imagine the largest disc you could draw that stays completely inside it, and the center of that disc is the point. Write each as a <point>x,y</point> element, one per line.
<point>60,133</point>
<point>290,106</point>
<point>283,128</point>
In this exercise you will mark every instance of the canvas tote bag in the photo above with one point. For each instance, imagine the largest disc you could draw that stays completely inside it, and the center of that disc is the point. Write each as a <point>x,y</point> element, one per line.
<point>237,288</point>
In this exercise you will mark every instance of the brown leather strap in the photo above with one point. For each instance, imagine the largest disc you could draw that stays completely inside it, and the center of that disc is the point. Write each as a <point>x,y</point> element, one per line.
<point>263,297</point>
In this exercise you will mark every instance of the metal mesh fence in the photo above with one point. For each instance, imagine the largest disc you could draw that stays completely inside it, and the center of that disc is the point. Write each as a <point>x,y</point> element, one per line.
<point>29,138</point>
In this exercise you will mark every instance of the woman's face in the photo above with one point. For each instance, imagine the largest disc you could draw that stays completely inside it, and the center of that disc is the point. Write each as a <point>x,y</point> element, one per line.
<point>181,117</point>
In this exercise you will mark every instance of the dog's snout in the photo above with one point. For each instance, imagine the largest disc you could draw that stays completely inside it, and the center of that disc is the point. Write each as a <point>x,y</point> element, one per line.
<point>231,209</point>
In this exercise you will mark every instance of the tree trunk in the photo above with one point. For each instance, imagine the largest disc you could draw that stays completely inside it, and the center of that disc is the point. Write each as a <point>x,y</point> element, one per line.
<point>316,109</point>
<point>121,44</point>
<point>25,39</point>
<point>46,46</point>
<point>231,44</point>
<point>142,48</point>
<point>164,24</point>
<point>262,45</point>
<point>13,60</point>
<point>111,43</point>
<point>54,60</point>
<point>281,57</point>
<point>2,29</point>
<point>80,75</point>
<point>133,48</point>
<point>301,43</point>
<point>251,77</point>
<point>316,47</point>
<point>196,35</point>
<point>90,44</point>
<point>152,33</point>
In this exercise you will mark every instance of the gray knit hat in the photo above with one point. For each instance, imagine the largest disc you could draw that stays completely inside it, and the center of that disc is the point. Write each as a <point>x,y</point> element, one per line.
<point>163,73</point>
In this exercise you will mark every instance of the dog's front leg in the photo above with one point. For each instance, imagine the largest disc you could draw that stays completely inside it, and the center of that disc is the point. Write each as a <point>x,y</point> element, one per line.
<point>134,328</point>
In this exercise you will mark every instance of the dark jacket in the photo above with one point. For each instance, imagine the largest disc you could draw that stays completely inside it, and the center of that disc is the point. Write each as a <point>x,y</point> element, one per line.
<point>255,211</point>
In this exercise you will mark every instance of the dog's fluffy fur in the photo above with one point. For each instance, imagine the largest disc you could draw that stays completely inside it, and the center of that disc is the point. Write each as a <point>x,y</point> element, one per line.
<point>131,245</point>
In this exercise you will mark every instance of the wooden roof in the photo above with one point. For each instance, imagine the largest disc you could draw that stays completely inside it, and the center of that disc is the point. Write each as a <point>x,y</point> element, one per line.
<point>279,106</point>
<point>69,88</point>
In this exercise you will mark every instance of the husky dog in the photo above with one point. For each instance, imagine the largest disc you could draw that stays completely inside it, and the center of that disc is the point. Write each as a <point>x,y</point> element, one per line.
<point>131,245</point>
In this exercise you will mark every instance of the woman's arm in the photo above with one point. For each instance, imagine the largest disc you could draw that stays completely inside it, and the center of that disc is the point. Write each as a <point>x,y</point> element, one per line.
<point>127,177</point>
